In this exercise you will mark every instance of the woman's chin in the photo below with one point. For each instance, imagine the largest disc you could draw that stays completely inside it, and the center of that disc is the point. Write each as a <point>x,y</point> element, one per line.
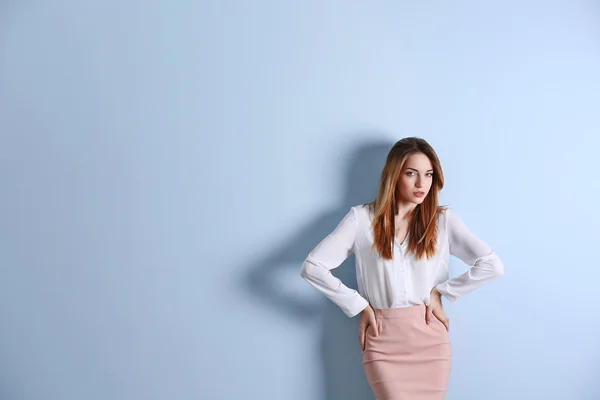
<point>417,200</point>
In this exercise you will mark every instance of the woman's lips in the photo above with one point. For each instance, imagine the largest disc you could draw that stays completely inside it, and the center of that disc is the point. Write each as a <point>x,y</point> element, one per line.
<point>419,194</point>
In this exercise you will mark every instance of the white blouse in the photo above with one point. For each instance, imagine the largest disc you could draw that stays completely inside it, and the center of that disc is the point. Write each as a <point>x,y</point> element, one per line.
<point>403,281</point>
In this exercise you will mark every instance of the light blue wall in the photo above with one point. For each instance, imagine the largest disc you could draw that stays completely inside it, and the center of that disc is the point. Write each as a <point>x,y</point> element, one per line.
<point>167,165</point>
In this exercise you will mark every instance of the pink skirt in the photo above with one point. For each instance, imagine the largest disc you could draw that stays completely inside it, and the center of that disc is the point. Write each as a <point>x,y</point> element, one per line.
<point>409,360</point>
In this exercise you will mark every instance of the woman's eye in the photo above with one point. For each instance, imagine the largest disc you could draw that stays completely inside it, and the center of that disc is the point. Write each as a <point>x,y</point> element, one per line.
<point>429,174</point>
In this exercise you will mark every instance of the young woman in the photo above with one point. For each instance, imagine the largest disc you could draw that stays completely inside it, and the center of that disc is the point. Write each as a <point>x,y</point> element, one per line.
<point>402,242</point>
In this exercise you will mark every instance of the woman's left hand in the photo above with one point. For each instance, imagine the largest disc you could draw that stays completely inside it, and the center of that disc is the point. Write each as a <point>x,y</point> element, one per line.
<point>435,309</point>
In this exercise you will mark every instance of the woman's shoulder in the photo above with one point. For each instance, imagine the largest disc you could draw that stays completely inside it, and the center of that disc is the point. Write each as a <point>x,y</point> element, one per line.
<point>444,211</point>
<point>362,214</point>
<point>446,215</point>
<point>363,210</point>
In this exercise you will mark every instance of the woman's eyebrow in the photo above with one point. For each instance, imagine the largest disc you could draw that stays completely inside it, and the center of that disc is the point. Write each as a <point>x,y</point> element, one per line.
<point>414,169</point>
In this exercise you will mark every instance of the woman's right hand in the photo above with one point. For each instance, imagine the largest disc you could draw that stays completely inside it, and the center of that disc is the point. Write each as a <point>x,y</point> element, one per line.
<point>367,318</point>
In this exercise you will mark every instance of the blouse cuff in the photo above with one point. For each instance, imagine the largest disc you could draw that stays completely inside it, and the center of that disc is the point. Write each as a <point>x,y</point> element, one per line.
<point>359,304</point>
<point>444,291</point>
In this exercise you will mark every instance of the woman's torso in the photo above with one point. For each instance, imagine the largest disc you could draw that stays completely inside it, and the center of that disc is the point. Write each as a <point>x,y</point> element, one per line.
<point>403,281</point>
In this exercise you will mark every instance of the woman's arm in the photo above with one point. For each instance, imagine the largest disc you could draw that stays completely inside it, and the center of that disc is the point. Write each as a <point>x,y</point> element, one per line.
<point>485,265</point>
<point>329,254</point>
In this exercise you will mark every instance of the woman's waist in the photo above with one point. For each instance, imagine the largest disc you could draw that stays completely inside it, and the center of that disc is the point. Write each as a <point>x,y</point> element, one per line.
<point>408,311</point>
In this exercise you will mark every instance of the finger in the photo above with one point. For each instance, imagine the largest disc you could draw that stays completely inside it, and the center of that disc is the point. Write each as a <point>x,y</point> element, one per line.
<point>443,319</point>
<point>365,334</point>
<point>361,339</point>
<point>429,314</point>
<point>375,327</point>
<point>446,323</point>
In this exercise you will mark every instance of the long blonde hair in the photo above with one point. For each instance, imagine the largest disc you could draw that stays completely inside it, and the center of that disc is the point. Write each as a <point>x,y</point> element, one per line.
<point>422,239</point>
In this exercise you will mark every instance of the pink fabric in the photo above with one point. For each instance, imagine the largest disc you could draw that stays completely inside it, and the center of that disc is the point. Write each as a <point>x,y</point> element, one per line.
<point>409,360</point>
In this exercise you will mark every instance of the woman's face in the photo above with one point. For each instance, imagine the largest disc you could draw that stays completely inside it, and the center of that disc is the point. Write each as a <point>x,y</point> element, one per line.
<point>416,178</point>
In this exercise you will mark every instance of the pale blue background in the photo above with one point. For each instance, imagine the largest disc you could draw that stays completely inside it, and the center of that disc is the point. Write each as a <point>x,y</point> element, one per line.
<point>167,165</point>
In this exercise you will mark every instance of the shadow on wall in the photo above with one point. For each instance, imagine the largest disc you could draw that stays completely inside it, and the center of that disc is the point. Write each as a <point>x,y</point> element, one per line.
<point>342,371</point>
<point>7,9</point>
<point>9,388</point>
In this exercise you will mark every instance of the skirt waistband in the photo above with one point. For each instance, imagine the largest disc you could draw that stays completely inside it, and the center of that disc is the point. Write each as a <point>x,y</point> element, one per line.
<point>401,312</point>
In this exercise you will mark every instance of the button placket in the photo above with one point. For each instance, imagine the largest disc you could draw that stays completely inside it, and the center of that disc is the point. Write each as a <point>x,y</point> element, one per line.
<point>404,270</point>
<point>400,263</point>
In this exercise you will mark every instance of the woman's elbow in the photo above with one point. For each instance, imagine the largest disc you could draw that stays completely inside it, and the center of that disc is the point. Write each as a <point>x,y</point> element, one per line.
<point>498,267</point>
<point>306,270</point>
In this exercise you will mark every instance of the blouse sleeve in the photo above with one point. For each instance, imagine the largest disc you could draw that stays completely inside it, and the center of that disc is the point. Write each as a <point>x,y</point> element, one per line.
<point>329,254</point>
<point>485,265</point>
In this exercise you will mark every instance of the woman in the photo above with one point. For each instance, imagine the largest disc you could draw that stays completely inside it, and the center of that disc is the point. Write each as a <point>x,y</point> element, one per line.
<point>402,242</point>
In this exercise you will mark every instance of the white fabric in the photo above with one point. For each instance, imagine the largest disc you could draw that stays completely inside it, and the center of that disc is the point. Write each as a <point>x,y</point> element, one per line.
<point>403,281</point>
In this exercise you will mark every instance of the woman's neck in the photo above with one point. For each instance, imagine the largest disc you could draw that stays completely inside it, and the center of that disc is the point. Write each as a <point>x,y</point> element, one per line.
<point>404,210</point>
